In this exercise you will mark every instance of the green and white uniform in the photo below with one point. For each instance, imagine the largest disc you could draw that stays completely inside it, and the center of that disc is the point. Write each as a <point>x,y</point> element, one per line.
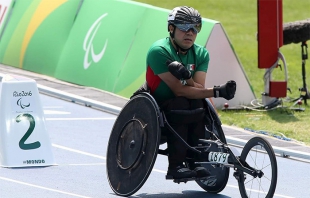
<point>196,59</point>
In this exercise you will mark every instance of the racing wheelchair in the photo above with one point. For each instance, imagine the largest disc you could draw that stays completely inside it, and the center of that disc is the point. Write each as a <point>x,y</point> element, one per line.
<point>137,135</point>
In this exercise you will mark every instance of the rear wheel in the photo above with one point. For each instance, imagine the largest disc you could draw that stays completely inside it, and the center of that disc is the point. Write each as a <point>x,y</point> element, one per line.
<point>258,153</point>
<point>133,145</point>
<point>219,174</point>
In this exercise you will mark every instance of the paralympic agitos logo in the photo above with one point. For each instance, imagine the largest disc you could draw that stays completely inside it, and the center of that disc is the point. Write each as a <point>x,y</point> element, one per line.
<point>21,95</point>
<point>88,44</point>
<point>20,103</point>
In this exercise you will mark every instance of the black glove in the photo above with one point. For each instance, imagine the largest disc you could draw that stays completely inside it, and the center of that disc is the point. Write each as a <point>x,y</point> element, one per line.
<point>226,91</point>
<point>178,70</point>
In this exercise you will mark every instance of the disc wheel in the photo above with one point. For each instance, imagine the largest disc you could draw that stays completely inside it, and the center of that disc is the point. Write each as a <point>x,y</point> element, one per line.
<point>133,145</point>
<point>258,154</point>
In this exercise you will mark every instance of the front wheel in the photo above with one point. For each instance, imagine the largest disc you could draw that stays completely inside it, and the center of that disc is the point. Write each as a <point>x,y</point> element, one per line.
<point>258,154</point>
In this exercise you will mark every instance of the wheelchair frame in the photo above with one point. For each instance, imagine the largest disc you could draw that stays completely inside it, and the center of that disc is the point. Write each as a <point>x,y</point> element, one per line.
<point>216,153</point>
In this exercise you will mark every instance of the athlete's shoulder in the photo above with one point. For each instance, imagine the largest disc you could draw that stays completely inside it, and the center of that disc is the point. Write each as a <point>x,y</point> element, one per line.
<point>202,54</point>
<point>200,49</point>
<point>160,46</point>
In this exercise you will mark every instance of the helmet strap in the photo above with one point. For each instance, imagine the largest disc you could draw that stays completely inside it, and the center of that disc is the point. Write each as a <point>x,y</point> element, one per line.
<point>179,48</point>
<point>172,33</point>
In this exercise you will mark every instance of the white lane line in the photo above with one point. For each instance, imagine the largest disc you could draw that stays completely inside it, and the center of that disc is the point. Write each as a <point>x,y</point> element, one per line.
<point>277,195</point>
<point>159,171</point>
<point>282,196</point>
<point>80,118</point>
<point>53,112</point>
<point>91,164</point>
<point>154,170</point>
<point>41,187</point>
<point>53,107</point>
<point>78,151</point>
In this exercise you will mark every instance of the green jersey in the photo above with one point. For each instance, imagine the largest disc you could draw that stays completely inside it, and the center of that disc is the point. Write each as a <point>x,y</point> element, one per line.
<point>196,59</point>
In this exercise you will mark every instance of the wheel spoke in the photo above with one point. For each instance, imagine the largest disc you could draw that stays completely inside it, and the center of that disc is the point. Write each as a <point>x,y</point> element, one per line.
<point>260,186</point>
<point>265,166</point>
<point>249,180</point>
<point>251,187</point>
<point>254,160</point>
<point>267,178</point>
<point>263,162</point>
<point>260,189</point>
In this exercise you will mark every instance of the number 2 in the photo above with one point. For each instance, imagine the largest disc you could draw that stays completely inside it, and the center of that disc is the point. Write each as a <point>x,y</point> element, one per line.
<point>22,141</point>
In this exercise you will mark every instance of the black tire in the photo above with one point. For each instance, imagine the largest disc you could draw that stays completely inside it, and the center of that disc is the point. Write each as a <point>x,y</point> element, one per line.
<point>133,145</point>
<point>258,154</point>
<point>221,174</point>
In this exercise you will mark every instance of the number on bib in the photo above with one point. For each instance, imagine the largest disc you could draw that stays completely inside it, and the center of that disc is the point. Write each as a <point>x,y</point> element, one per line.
<point>218,157</point>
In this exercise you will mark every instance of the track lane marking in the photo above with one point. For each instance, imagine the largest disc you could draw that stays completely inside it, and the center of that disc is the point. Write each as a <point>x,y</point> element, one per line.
<point>41,187</point>
<point>78,151</point>
<point>88,164</point>
<point>53,112</point>
<point>154,170</point>
<point>55,119</point>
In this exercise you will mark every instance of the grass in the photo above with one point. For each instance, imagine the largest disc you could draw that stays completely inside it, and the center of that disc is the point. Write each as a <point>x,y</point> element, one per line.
<point>239,19</point>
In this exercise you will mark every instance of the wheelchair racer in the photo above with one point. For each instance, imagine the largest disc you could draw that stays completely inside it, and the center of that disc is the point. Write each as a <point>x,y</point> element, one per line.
<point>176,73</point>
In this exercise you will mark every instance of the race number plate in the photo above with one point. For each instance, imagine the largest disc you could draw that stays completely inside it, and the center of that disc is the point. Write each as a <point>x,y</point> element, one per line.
<point>218,157</point>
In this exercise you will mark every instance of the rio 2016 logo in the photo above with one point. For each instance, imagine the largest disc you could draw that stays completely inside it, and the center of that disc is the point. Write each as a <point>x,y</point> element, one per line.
<point>22,94</point>
<point>88,43</point>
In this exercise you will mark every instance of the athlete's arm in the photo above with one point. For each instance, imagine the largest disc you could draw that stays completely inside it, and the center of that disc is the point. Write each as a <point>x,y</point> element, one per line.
<point>191,82</point>
<point>199,78</point>
<point>191,92</point>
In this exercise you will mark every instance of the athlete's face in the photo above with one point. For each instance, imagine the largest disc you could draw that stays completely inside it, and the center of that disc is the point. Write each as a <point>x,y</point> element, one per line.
<point>185,39</point>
